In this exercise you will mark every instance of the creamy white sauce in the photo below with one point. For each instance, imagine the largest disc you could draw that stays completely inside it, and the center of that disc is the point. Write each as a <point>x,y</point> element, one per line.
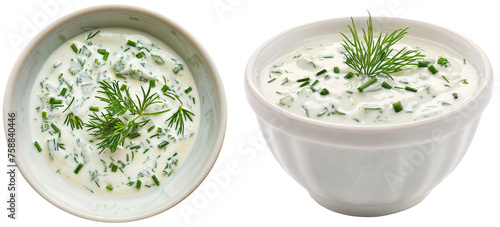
<point>140,159</point>
<point>283,83</point>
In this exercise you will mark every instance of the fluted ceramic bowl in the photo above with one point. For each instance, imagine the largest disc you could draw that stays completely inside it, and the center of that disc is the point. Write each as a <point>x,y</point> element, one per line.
<point>206,146</point>
<point>368,170</point>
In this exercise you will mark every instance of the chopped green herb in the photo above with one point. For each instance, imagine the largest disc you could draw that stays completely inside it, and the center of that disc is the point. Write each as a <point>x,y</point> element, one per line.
<point>397,106</point>
<point>443,62</point>
<point>284,81</point>
<point>422,64</point>
<point>432,69</point>
<point>134,135</point>
<point>324,91</point>
<point>367,83</point>
<point>109,187</point>
<point>187,90</point>
<point>455,95</point>
<point>138,184</point>
<point>349,75</point>
<point>163,144</point>
<point>408,88</point>
<point>75,49</point>
<point>131,43</point>
<point>321,72</point>
<point>303,79</point>
<point>447,81</point>
<point>78,168</point>
<point>38,148</point>
<point>93,108</point>
<point>386,85</point>
<point>155,180</point>
<point>336,69</point>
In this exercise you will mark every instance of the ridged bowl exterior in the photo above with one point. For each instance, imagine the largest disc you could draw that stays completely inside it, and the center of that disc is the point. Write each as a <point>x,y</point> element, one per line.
<point>368,170</point>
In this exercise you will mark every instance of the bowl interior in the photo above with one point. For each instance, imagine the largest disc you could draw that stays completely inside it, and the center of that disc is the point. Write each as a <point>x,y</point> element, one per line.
<point>206,147</point>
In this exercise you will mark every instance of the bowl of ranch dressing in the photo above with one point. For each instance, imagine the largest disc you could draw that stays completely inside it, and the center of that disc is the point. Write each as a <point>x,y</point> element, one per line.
<point>368,139</point>
<point>120,113</point>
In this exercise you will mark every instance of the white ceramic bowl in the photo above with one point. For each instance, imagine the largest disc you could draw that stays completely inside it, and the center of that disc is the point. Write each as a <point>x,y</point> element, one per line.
<point>368,170</point>
<point>197,166</point>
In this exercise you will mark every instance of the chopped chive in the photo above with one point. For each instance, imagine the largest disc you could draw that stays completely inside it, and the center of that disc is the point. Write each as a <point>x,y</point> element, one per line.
<point>423,64</point>
<point>349,75</point>
<point>432,69</point>
<point>75,49</point>
<point>44,114</point>
<point>134,135</point>
<point>38,148</point>
<point>138,184</point>
<point>139,55</point>
<point>284,81</point>
<point>304,84</point>
<point>386,85</point>
<point>55,127</point>
<point>157,59</point>
<point>367,83</point>
<point>151,128</point>
<point>152,83</point>
<point>340,113</point>
<point>271,80</point>
<point>63,92</point>
<point>324,91</point>
<point>303,79</point>
<point>109,187</point>
<point>464,81</point>
<point>321,72</point>
<point>101,51</point>
<point>443,62</point>
<point>163,144</point>
<point>164,88</point>
<point>135,147</point>
<point>131,43</point>
<point>105,57</point>
<point>336,69</point>
<point>178,68</point>
<point>397,106</point>
<point>78,168</point>
<point>94,108</point>
<point>446,79</point>
<point>52,101</point>
<point>114,167</point>
<point>455,95</point>
<point>408,88</point>
<point>315,82</point>
<point>155,180</point>
<point>187,90</point>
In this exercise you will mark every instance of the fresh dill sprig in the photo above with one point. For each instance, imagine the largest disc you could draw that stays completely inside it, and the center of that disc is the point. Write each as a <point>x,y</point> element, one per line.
<point>73,121</point>
<point>374,57</point>
<point>178,119</point>
<point>111,130</point>
<point>119,104</point>
<point>108,126</point>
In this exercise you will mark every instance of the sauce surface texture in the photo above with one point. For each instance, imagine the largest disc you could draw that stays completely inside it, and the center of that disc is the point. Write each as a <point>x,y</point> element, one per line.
<point>312,81</point>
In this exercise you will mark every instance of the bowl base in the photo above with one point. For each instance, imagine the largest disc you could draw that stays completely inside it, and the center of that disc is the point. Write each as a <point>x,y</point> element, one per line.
<point>367,210</point>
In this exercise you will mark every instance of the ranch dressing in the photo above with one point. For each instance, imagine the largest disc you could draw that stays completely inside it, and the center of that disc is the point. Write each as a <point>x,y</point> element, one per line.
<point>151,152</point>
<point>309,81</point>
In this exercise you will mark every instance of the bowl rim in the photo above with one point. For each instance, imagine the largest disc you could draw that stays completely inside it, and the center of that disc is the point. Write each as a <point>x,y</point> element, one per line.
<point>482,92</point>
<point>215,76</point>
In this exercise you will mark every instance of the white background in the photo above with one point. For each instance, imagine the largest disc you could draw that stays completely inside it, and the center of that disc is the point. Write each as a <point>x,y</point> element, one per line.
<point>259,192</point>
